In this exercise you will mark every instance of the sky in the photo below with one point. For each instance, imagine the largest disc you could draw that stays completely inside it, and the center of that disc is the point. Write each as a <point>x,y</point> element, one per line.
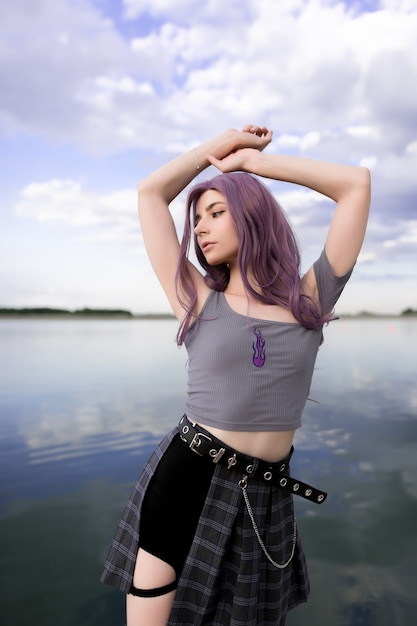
<point>95,94</point>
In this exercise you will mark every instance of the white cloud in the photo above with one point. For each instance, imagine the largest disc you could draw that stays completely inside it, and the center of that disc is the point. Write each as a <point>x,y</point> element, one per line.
<point>309,66</point>
<point>66,200</point>
<point>408,236</point>
<point>49,52</point>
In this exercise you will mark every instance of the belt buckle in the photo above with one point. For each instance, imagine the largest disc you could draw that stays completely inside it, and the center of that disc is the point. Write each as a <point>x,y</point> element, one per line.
<point>196,442</point>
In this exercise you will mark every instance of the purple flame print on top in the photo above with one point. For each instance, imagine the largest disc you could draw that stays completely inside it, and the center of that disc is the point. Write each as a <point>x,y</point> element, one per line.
<point>258,349</point>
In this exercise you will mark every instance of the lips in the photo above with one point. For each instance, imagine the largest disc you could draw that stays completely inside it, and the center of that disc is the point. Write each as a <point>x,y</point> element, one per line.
<point>206,245</point>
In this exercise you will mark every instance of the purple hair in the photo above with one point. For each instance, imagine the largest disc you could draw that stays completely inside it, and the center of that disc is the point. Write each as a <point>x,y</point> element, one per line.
<point>266,244</point>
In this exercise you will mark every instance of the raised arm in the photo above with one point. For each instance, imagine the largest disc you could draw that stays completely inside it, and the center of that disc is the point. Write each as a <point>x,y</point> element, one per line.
<point>161,187</point>
<point>349,186</point>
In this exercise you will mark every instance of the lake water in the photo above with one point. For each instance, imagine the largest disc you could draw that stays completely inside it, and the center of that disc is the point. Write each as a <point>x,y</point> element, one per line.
<point>83,403</point>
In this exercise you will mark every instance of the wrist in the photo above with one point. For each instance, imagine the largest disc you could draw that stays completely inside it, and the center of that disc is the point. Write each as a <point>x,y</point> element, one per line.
<point>219,147</point>
<point>253,161</point>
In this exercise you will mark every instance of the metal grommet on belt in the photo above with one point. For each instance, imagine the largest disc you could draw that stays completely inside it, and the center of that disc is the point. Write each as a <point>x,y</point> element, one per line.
<point>267,475</point>
<point>249,469</point>
<point>185,429</point>
<point>231,462</point>
<point>283,482</point>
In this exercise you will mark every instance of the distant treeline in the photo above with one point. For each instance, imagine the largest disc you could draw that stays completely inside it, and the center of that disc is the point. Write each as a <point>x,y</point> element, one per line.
<point>93,313</point>
<point>405,313</point>
<point>65,312</point>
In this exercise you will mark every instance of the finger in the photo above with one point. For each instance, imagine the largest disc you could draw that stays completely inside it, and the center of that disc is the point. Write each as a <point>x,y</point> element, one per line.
<point>216,162</point>
<point>251,128</point>
<point>265,136</point>
<point>260,131</point>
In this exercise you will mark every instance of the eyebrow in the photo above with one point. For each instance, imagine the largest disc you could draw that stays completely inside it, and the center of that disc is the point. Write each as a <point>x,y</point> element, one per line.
<point>209,207</point>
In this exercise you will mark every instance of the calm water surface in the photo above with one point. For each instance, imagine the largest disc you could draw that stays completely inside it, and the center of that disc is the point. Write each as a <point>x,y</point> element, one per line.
<point>83,403</point>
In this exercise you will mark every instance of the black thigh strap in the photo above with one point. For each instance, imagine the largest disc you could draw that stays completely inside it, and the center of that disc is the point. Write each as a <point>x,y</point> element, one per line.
<point>153,593</point>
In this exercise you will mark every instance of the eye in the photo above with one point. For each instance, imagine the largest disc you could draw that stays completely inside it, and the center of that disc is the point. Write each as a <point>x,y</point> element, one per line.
<point>216,214</point>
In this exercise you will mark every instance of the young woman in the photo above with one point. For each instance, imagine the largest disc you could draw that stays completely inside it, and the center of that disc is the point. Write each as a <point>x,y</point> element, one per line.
<point>209,535</point>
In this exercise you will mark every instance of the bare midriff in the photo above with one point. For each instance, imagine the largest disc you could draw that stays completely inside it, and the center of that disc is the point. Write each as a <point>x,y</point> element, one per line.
<point>268,446</point>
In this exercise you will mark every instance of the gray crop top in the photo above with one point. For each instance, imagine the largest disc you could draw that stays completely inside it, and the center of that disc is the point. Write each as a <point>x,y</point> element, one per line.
<point>248,374</point>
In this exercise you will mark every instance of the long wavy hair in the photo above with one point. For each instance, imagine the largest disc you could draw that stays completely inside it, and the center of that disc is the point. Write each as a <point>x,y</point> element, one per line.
<point>266,245</point>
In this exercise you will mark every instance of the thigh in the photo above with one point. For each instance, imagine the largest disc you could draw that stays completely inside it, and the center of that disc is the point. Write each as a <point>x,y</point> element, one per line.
<point>152,611</point>
<point>173,503</point>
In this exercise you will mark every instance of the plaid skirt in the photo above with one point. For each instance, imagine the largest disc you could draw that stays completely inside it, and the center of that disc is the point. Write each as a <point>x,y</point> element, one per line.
<point>227,579</point>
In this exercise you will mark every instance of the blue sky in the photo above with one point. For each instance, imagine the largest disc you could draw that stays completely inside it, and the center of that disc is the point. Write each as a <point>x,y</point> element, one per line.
<point>94,94</point>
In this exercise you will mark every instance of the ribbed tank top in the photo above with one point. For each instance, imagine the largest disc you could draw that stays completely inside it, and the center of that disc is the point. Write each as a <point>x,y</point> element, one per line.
<point>248,374</point>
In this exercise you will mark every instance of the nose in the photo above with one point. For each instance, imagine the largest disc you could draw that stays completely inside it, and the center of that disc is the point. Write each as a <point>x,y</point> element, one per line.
<point>201,227</point>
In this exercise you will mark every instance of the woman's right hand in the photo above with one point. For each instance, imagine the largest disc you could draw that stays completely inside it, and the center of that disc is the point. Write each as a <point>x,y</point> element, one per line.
<point>251,136</point>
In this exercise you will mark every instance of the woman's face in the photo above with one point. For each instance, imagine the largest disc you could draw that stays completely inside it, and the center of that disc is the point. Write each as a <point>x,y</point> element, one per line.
<point>215,230</point>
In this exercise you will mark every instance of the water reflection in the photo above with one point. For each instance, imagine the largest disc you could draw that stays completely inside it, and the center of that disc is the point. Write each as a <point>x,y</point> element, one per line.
<point>83,404</point>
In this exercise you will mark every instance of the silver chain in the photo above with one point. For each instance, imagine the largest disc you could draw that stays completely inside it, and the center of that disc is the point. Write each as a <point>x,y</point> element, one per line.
<point>244,486</point>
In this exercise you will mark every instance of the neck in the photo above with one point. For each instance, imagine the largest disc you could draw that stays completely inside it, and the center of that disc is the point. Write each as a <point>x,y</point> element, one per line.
<point>236,286</point>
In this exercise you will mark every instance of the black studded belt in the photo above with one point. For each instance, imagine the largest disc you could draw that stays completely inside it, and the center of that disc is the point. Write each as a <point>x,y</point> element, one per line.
<point>206,445</point>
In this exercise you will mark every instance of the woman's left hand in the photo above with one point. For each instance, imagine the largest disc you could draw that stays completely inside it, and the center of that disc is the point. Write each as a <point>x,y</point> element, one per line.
<point>236,161</point>
<point>253,140</point>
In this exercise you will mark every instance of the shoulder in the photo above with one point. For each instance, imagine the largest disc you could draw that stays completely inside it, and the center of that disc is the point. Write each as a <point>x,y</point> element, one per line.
<point>322,284</point>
